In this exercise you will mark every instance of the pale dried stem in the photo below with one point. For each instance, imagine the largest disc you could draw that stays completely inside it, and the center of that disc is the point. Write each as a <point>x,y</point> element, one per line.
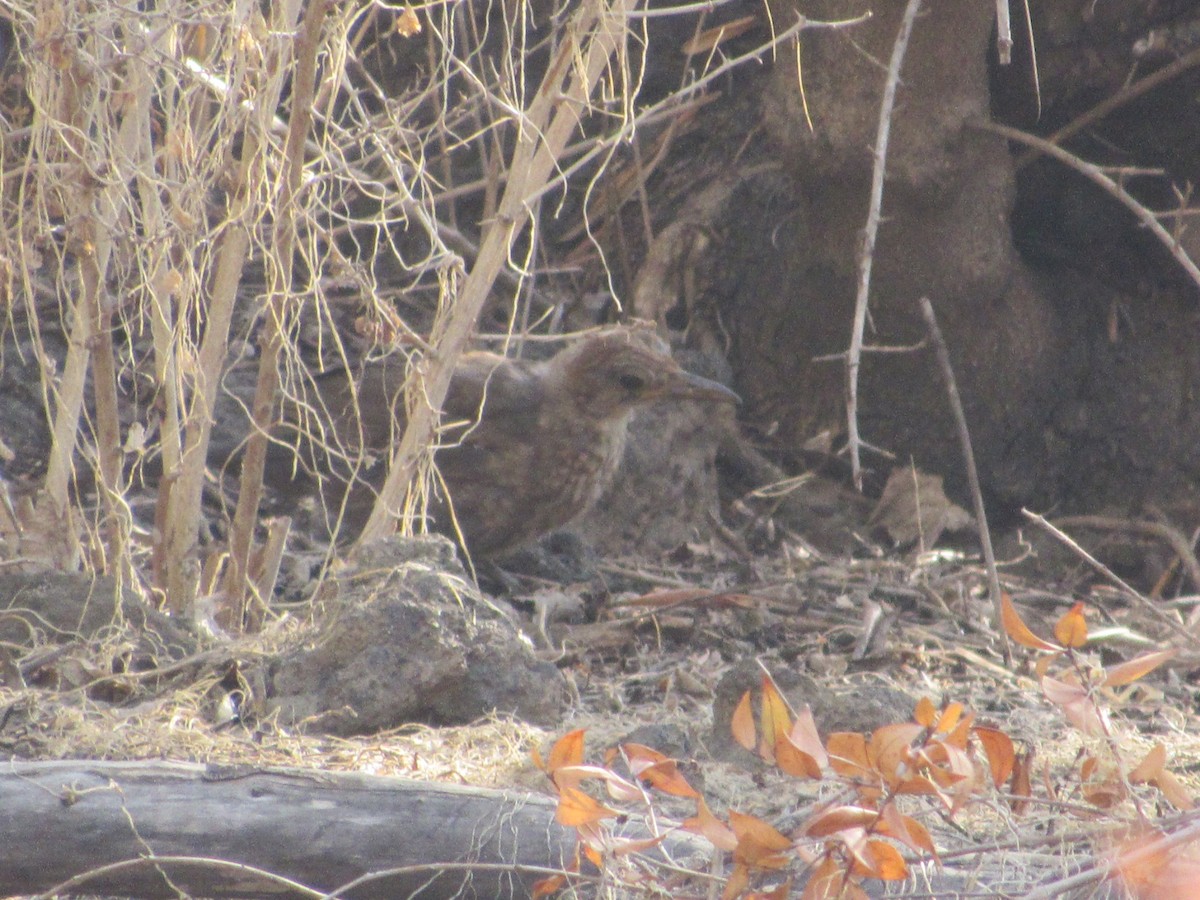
<point>184,505</point>
<point>237,580</point>
<point>595,33</point>
<point>870,232</point>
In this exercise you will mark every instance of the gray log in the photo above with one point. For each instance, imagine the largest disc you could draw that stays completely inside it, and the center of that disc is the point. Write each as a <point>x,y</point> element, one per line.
<point>322,829</point>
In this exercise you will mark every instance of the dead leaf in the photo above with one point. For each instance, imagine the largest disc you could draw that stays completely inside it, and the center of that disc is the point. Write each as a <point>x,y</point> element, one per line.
<point>711,38</point>
<point>1016,628</point>
<point>1131,670</point>
<point>914,509</point>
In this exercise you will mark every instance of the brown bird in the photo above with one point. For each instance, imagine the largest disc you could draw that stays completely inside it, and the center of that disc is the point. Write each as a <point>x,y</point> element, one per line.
<point>527,447</point>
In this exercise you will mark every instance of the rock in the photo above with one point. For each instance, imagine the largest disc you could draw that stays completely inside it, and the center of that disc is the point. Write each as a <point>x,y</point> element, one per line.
<point>409,639</point>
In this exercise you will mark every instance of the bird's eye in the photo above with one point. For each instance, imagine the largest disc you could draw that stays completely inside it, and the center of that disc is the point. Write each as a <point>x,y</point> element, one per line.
<point>632,383</point>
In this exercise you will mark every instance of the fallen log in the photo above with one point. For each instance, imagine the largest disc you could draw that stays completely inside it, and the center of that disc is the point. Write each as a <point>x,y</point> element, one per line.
<point>155,829</point>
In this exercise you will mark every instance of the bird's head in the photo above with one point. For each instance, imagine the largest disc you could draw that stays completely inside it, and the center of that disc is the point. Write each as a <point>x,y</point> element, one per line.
<point>611,373</point>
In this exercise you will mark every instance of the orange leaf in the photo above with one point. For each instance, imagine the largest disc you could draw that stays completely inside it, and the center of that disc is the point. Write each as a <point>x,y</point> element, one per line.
<point>961,733</point>
<point>1176,794</point>
<point>848,754</point>
<point>567,751</point>
<point>705,824</point>
<point>1071,629</point>
<point>1150,766</point>
<point>926,712</point>
<point>742,723</point>
<point>1016,628</point>
<point>827,881</point>
<point>949,718</point>
<point>999,750</point>
<point>885,861</point>
<point>660,771</point>
<point>576,808</point>
<point>793,761</point>
<point>839,818</point>
<point>547,886</point>
<point>776,719</point>
<point>891,746</point>
<point>1131,670</point>
<point>759,844</point>
<point>905,829</point>
<point>739,880</point>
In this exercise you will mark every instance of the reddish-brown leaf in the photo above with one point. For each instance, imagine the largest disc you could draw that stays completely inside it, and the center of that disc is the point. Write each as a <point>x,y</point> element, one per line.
<point>999,750</point>
<point>1133,669</point>
<point>1071,630</point>
<point>906,830</point>
<point>1021,783</point>
<point>1016,628</point>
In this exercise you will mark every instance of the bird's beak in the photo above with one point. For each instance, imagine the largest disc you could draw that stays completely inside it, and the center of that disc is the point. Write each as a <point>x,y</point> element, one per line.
<point>687,386</point>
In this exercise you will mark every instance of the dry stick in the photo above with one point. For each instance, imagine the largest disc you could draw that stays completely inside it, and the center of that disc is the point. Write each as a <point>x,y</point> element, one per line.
<point>870,232</point>
<point>1108,573</point>
<point>69,394</point>
<point>1164,532</point>
<point>1004,41</point>
<point>1132,860</point>
<point>183,503</point>
<point>1097,174</point>
<point>241,536</point>
<point>1116,101</point>
<point>595,32</point>
<point>964,440</point>
<point>134,104</point>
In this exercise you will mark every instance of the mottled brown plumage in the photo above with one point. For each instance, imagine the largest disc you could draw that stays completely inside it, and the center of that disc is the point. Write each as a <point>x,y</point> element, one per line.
<point>527,447</point>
